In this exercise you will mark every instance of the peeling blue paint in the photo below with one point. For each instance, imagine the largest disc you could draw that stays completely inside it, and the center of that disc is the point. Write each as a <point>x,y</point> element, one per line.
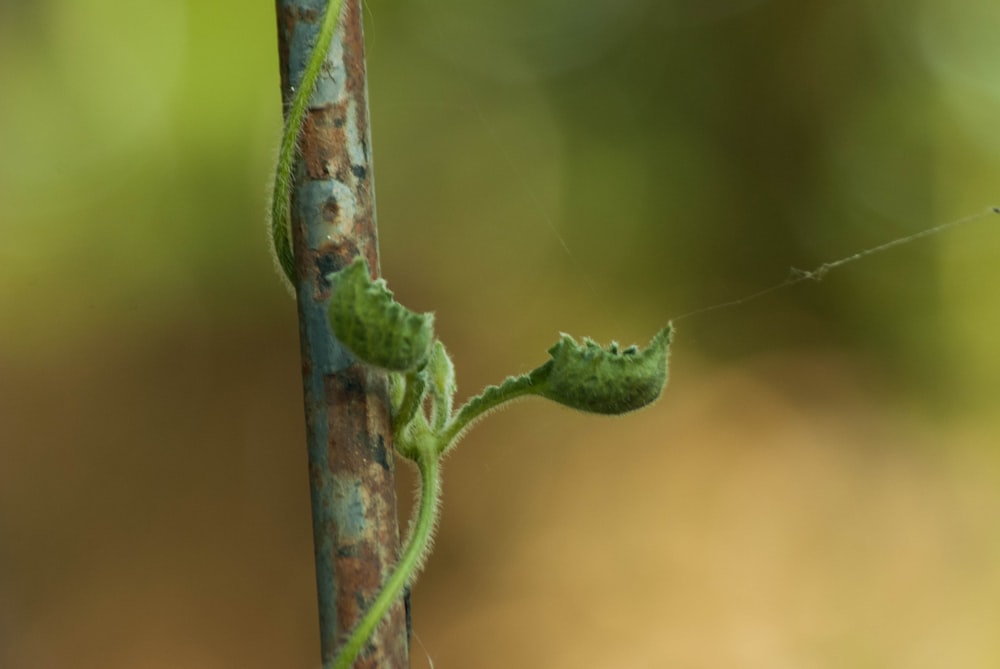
<point>349,502</point>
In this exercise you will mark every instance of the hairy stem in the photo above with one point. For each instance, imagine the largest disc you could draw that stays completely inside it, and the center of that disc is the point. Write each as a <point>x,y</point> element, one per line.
<point>413,556</point>
<point>490,399</point>
<point>280,204</point>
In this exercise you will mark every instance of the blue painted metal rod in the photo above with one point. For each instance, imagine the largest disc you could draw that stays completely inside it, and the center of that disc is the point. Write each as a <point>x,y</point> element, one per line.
<point>351,470</point>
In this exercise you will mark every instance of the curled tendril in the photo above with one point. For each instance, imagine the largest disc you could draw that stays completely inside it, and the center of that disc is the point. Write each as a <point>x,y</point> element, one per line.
<point>610,381</point>
<point>374,327</point>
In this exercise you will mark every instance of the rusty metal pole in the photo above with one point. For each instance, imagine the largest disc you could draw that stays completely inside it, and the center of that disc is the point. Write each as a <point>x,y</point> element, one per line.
<point>351,471</point>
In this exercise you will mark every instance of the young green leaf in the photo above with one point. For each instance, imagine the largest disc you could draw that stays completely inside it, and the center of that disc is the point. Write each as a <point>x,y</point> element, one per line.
<point>606,381</point>
<point>374,327</point>
<point>441,371</point>
<point>397,391</point>
<point>413,400</point>
<point>587,378</point>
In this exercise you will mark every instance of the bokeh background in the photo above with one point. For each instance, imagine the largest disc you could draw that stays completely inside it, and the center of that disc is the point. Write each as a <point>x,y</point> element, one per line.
<point>820,486</point>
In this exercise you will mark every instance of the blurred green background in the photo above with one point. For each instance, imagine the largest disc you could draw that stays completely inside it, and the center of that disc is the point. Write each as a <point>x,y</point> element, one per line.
<point>820,486</point>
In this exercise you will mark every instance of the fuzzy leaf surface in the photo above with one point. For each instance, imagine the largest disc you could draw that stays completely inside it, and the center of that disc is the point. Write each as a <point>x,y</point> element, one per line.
<point>374,327</point>
<point>600,380</point>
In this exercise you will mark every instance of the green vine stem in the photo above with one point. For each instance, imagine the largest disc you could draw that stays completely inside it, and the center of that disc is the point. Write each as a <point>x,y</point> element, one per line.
<point>414,554</point>
<point>281,196</point>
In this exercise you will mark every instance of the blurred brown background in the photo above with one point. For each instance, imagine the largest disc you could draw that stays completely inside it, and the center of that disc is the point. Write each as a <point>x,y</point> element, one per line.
<point>820,486</point>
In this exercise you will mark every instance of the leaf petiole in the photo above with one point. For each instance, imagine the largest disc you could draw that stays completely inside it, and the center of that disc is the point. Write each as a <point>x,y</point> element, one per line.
<point>492,398</point>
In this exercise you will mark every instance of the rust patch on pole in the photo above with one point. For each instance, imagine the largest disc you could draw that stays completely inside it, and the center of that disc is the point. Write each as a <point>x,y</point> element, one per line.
<point>351,471</point>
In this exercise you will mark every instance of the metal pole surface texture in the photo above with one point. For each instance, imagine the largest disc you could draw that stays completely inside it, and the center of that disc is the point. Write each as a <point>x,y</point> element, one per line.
<point>351,472</point>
